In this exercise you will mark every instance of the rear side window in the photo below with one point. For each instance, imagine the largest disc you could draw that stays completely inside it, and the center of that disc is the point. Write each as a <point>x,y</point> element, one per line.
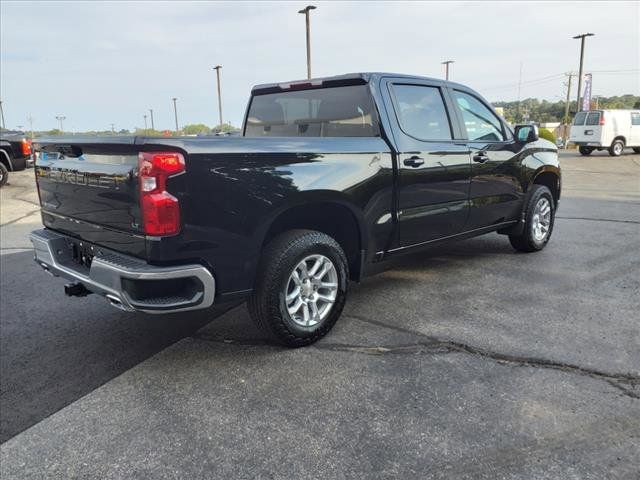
<point>635,118</point>
<point>322,112</point>
<point>479,120</point>
<point>421,112</point>
<point>593,118</point>
<point>579,118</point>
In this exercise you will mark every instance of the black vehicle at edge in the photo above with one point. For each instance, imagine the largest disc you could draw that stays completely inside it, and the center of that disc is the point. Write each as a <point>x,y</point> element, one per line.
<point>331,177</point>
<point>15,153</point>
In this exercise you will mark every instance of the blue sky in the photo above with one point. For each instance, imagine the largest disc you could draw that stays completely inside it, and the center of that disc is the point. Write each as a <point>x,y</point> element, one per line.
<point>102,63</point>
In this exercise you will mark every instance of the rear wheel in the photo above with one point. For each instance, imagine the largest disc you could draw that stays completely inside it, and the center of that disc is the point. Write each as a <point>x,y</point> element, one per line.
<point>585,150</point>
<point>301,287</point>
<point>4,174</point>
<point>539,218</point>
<point>616,148</point>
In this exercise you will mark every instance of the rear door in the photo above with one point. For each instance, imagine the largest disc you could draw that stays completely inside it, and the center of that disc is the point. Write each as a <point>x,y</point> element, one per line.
<point>434,168</point>
<point>495,194</point>
<point>587,129</point>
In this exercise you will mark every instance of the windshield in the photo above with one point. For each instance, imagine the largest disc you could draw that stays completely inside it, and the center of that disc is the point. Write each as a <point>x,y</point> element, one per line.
<point>322,112</point>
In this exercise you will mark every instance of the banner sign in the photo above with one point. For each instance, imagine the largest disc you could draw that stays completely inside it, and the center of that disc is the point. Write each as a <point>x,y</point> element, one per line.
<point>586,97</point>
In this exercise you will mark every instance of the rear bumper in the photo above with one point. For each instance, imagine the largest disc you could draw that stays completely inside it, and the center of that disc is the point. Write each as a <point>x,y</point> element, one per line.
<point>127,283</point>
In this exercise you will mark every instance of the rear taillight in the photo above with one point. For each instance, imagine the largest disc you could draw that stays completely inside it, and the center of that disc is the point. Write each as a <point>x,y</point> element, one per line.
<point>26,147</point>
<point>160,209</point>
<point>601,119</point>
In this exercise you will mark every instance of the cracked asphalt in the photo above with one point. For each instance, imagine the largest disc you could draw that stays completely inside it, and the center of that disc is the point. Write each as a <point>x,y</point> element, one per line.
<point>466,361</point>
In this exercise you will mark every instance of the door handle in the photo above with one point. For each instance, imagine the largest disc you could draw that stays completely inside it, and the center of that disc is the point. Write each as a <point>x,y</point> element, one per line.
<point>480,157</point>
<point>414,161</point>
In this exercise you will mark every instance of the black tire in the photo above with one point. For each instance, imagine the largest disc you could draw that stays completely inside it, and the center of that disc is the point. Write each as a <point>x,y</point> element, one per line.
<point>636,149</point>
<point>267,304</point>
<point>585,150</point>
<point>4,174</point>
<point>616,148</point>
<point>527,242</point>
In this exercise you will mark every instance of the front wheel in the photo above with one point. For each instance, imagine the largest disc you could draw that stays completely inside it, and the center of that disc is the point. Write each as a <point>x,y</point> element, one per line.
<point>301,287</point>
<point>4,174</point>
<point>539,218</point>
<point>616,148</point>
<point>585,150</point>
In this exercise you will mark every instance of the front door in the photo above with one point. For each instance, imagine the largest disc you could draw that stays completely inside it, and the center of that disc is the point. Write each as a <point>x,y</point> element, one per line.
<point>434,168</point>
<point>496,192</point>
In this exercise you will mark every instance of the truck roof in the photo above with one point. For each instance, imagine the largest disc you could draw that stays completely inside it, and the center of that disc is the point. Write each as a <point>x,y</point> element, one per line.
<point>347,79</point>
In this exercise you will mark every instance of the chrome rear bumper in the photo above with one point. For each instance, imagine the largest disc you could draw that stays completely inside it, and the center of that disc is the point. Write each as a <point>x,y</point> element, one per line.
<point>128,283</point>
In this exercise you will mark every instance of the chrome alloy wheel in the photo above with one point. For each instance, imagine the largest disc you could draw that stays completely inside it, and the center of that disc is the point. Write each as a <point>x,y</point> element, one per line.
<point>541,222</point>
<point>617,148</point>
<point>311,290</point>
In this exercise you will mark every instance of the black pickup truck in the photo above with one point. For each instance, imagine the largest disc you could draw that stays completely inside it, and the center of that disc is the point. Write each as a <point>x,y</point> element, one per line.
<point>15,153</point>
<point>331,177</point>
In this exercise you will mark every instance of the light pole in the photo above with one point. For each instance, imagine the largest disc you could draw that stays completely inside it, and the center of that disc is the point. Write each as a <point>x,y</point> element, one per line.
<point>151,113</point>
<point>60,119</point>
<point>306,11</point>
<point>582,36</point>
<point>446,64</point>
<point>2,114</point>
<point>217,69</point>
<point>145,123</point>
<point>175,112</point>
<point>113,130</point>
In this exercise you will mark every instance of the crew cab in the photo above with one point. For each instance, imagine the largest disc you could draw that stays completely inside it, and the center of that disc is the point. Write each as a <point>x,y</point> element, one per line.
<point>15,153</point>
<point>330,178</point>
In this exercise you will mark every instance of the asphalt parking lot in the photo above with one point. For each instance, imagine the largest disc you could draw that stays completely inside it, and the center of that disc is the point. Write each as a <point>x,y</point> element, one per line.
<point>467,361</point>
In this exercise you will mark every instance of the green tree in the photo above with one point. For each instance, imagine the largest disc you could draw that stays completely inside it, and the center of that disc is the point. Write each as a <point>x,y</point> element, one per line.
<point>196,129</point>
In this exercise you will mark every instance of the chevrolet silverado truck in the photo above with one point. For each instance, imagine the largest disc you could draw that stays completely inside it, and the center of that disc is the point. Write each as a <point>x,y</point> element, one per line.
<point>330,178</point>
<point>15,153</point>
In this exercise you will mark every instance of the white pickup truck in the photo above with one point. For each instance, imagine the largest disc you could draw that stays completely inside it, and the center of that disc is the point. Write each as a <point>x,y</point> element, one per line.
<point>612,130</point>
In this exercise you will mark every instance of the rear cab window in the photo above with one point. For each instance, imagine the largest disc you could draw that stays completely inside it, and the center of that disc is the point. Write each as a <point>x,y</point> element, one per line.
<point>421,112</point>
<point>346,111</point>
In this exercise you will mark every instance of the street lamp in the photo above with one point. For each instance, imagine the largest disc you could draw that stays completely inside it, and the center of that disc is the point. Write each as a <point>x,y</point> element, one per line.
<point>582,36</point>
<point>217,69</point>
<point>145,123</point>
<point>446,64</point>
<point>60,119</point>
<point>175,112</point>
<point>306,11</point>
<point>153,127</point>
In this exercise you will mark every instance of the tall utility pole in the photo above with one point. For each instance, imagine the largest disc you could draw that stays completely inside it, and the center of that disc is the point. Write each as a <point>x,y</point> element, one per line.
<point>582,36</point>
<point>446,64</point>
<point>306,11</point>
<point>519,89</point>
<point>565,120</point>
<point>113,130</point>
<point>153,127</point>
<point>2,114</point>
<point>175,112</point>
<point>217,69</point>
<point>60,119</point>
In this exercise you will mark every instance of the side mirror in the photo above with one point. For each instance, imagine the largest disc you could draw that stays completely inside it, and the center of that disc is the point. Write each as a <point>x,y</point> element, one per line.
<point>526,133</point>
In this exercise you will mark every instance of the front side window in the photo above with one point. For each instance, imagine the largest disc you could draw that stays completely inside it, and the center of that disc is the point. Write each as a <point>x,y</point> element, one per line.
<point>481,123</point>
<point>635,118</point>
<point>322,112</point>
<point>593,118</point>
<point>421,112</point>
<point>579,118</point>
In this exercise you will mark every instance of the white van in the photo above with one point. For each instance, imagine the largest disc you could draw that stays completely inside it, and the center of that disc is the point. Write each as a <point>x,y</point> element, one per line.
<point>611,130</point>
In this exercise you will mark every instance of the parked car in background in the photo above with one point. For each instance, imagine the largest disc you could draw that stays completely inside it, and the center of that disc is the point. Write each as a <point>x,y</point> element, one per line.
<point>612,130</point>
<point>15,153</point>
<point>332,177</point>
